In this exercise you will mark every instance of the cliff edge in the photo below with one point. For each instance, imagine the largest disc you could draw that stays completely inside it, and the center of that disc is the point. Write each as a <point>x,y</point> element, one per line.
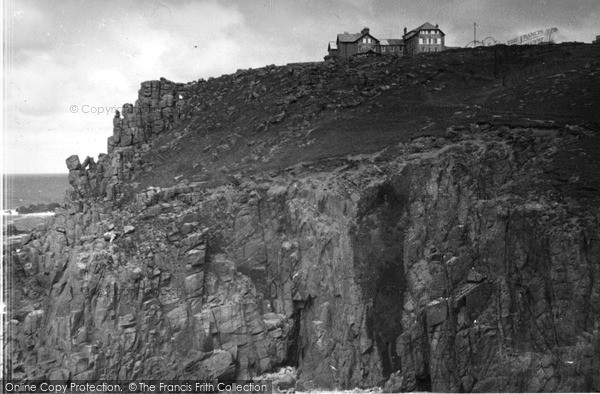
<point>425,223</point>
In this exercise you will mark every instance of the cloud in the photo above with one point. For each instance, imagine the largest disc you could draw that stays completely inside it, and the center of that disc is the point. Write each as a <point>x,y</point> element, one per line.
<point>27,26</point>
<point>96,53</point>
<point>182,43</point>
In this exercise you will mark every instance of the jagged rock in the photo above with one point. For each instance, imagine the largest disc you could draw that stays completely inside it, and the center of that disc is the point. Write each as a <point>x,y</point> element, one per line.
<point>439,264</point>
<point>395,384</point>
<point>194,284</point>
<point>475,277</point>
<point>73,163</point>
<point>219,366</point>
<point>196,257</point>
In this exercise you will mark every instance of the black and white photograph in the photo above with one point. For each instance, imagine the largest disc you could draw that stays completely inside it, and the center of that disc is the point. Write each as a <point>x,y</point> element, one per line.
<point>300,196</point>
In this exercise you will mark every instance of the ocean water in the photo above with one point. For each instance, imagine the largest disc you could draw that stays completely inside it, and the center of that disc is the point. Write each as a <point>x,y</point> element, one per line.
<point>26,189</point>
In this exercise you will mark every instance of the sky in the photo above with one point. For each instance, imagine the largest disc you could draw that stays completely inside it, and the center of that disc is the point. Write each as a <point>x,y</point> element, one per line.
<point>67,65</point>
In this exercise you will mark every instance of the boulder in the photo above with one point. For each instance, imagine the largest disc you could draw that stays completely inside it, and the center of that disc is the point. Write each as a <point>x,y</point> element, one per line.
<point>73,163</point>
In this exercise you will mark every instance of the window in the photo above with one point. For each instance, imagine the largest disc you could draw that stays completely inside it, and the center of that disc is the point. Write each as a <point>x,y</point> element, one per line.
<point>392,49</point>
<point>420,40</point>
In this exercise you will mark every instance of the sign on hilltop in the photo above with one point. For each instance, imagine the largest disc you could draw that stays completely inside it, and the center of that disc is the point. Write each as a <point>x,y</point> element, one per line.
<point>536,37</point>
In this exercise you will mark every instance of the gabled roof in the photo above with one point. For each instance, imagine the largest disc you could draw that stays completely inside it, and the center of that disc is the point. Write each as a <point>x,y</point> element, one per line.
<point>424,26</point>
<point>346,37</point>
<point>392,41</point>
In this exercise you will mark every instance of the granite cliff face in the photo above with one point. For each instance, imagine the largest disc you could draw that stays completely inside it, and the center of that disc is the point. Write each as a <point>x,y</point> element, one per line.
<point>322,217</point>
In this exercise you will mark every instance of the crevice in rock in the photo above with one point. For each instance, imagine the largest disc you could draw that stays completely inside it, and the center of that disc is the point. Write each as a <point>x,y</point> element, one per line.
<point>268,277</point>
<point>295,348</point>
<point>423,383</point>
<point>380,267</point>
<point>423,380</point>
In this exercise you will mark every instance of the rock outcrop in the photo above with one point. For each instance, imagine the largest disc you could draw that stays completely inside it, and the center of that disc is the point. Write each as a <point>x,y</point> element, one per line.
<point>466,260</point>
<point>156,110</point>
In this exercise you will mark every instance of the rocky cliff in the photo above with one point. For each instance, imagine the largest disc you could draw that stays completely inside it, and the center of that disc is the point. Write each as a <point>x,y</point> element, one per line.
<point>425,223</point>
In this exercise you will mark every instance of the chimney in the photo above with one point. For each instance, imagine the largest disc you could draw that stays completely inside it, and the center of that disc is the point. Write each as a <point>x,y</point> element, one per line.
<point>404,30</point>
<point>364,31</point>
<point>437,26</point>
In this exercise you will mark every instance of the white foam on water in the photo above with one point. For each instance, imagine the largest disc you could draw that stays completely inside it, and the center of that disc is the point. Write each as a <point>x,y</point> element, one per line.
<point>41,214</point>
<point>13,212</point>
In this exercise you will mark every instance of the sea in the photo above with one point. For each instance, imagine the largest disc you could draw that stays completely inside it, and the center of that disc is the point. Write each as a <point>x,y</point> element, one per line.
<point>23,190</point>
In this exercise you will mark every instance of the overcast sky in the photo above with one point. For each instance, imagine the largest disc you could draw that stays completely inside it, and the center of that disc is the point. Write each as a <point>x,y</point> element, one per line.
<point>94,54</point>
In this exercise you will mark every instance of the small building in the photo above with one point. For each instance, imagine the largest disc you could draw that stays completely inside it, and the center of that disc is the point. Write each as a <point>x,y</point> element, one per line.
<point>351,44</point>
<point>332,49</point>
<point>597,41</point>
<point>392,46</point>
<point>425,38</point>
